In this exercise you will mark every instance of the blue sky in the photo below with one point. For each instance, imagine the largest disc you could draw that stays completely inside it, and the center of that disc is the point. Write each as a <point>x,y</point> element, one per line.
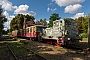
<point>41,9</point>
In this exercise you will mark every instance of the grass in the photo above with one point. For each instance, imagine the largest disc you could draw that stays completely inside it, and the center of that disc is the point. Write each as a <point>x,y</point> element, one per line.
<point>17,48</point>
<point>2,50</point>
<point>85,39</point>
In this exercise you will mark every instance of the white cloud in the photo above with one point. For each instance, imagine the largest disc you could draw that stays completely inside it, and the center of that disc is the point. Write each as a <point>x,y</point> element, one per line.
<point>49,9</point>
<point>31,13</point>
<point>47,21</point>
<point>67,2</point>
<point>6,5</point>
<point>73,8</point>
<point>79,15</point>
<point>9,17</point>
<point>7,24</point>
<point>50,3</point>
<point>23,9</point>
<point>6,14</point>
<point>54,9</point>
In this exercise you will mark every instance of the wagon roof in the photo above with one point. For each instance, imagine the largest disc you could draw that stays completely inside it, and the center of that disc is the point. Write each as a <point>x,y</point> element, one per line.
<point>37,26</point>
<point>30,22</point>
<point>40,26</point>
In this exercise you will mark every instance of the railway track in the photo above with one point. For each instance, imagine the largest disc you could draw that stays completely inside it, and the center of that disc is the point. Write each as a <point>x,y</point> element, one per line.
<point>13,56</point>
<point>35,53</point>
<point>11,51</point>
<point>7,53</point>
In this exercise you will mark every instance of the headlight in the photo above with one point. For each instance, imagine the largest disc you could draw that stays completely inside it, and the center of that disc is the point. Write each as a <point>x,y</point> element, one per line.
<point>68,38</point>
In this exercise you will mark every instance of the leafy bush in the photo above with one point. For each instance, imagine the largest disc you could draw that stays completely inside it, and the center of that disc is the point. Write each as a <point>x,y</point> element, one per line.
<point>83,35</point>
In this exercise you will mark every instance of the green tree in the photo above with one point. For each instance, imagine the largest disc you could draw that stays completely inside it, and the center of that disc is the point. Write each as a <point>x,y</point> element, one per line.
<point>85,25</point>
<point>82,24</point>
<point>4,32</point>
<point>88,16</point>
<point>52,18</point>
<point>45,22</point>
<point>2,20</point>
<point>38,23</point>
<point>42,22</point>
<point>17,22</point>
<point>68,20</point>
<point>29,18</point>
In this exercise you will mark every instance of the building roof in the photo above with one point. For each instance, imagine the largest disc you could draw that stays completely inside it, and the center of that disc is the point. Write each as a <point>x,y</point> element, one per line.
<point>30,23</point>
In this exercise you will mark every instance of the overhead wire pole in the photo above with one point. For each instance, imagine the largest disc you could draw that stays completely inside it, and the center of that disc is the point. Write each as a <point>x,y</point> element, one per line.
<point>89,34</point>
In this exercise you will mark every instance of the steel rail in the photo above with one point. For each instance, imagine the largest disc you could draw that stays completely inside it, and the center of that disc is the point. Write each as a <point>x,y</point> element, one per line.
<point>35,53</point>
<point>11,51</point>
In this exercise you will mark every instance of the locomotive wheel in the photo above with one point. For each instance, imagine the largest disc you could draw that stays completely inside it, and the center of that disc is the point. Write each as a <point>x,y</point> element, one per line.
<point>66,44</point>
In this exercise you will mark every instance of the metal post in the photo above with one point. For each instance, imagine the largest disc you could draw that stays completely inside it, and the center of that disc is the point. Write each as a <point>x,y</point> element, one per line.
<point>89,33</point>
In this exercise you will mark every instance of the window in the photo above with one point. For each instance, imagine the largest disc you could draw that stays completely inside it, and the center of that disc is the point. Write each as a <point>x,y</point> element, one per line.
<point>57,24</point>
<point>39,29</point>
<point>34,29</point>
<point>60,23</point>
<point>27,30</point>
<point>30,29</point>
<point>54,23</point>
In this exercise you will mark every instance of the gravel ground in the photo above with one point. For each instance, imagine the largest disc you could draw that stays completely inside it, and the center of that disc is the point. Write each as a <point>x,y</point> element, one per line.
<point>52,52</point>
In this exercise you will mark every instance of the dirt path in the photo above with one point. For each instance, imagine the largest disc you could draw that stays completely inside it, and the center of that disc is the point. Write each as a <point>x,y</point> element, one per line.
<point>52,52</point>
<point>58,53</point>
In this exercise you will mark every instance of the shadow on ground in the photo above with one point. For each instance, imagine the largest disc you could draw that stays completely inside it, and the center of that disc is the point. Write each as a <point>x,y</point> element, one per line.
<point>68,54</point>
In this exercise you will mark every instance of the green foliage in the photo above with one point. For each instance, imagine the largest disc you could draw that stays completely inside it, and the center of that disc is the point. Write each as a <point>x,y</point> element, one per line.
<point>42,22</point>
<point>82,24</point>
<point>68,20</point>
<point>4,32</point>
<point>29,18</point>
<point>17,22</point>
<point>83,35</point>
<point>2,20</point>
<point>85,25</point>
<point>80,21</point>
<point>52,18</point>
